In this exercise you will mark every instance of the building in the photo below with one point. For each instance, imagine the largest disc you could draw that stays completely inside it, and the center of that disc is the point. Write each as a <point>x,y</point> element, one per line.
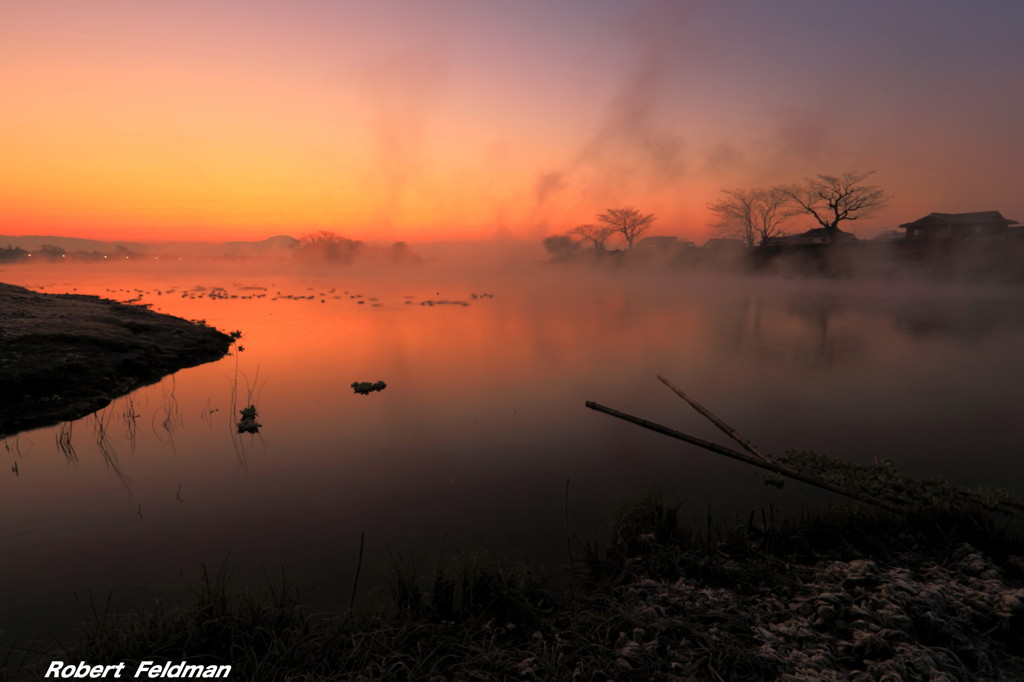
<point>659,243</point>
<point>817,236</point>
<point>977,225</point>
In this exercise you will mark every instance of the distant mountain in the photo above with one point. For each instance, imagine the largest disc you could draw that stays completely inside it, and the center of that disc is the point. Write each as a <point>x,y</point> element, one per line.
<point>36,242</point>
<point>276,245</point>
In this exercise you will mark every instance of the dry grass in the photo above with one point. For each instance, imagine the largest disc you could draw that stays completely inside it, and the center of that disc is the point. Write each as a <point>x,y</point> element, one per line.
<point>842,594</point>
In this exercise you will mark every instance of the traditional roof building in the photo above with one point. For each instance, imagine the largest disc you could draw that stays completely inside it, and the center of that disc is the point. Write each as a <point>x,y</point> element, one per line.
<point>659,243</point>
<point>818,235</point>
<point>977,225</point>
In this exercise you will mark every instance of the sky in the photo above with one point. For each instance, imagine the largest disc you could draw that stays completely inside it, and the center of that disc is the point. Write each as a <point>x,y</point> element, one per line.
<point>482,119</point>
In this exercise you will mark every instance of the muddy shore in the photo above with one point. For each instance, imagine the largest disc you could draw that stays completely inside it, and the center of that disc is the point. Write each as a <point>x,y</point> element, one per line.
<point>63,356</point>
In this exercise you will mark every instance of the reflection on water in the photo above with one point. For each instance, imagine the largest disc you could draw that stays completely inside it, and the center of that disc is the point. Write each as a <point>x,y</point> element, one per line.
<point>483,419</point>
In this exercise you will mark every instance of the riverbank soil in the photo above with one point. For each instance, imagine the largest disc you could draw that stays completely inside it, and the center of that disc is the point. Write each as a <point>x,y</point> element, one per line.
<point>64,356</point>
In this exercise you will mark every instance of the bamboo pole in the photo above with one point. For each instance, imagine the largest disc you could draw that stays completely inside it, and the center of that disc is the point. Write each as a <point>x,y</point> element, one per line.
<point>743,457</point>
<point>725,428</point>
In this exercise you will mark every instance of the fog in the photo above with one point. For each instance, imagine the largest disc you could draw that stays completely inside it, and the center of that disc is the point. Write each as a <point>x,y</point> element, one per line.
<point>893,267</point>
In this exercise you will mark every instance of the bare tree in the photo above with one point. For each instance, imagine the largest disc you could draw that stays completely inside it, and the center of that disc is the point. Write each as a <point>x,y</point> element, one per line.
<point>834,199</point>
<point>755,215</point>
<point>629,222</point>
<point>595,234</point>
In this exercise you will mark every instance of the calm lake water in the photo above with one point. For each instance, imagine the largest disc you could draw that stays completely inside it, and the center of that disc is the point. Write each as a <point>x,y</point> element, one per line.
<point>483,420</point>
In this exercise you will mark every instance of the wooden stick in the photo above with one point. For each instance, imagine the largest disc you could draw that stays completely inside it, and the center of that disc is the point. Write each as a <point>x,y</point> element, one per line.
<point>725,428</point>
<point>743,457</point>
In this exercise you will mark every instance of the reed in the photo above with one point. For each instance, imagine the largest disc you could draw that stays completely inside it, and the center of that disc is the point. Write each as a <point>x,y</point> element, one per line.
<point>64,442</point>
<point>168,415</point>
<point>130,417</point>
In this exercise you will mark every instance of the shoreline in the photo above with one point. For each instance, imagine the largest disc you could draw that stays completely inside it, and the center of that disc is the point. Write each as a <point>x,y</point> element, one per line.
<point>64,356</point>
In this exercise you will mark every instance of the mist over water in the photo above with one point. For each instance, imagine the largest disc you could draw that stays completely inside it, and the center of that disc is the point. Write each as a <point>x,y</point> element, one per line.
<point>488,361</point>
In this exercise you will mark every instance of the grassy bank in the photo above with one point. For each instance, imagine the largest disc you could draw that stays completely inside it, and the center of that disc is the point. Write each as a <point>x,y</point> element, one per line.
<point>64,356</point>
<point>843,593</point>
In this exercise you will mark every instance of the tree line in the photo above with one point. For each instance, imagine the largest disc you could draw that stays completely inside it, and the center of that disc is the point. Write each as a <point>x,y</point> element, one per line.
<point>627,222</point>
<point>752,215</point>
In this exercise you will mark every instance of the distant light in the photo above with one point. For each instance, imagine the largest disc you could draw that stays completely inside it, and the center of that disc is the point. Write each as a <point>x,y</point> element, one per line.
<point>63,255</point>
<point>104,258</point>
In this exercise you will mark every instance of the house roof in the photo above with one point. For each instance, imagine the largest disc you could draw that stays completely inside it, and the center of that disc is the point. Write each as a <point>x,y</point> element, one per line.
<point>975,218</point>
<point>814,233</point>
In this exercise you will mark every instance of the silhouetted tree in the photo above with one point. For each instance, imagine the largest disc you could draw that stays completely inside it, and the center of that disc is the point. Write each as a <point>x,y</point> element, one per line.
<point>326,245</point>
<point>561,247</point>
<point>51,252</point>
<point>401,253</point>
<point>834,199</point>
<point>754,215</point>
<point>628,221</point>
<point>122,252</point>
<point>13,254</point>
<point>88,255</point>
<point>595,234</point>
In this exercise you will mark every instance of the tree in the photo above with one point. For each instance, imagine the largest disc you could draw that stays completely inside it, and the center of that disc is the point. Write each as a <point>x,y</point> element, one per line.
<point>627,221</point>
<point>595,234</point>
<point>13,254</point>
<point>51,252</point>
<point>561,247</point>
<point>834,199</point>
<point>401,253</point>
<point>325,245</point>
<point>754,215</point>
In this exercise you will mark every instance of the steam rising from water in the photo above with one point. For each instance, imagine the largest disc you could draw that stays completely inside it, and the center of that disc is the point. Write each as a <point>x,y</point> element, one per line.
<point>633,146</point>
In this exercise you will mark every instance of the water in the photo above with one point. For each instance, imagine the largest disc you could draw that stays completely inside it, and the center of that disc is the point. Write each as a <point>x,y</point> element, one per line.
<point>482,429</point>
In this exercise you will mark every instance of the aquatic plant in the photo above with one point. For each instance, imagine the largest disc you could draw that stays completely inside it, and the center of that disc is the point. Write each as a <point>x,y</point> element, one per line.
<point>366,387</point>
<point>248,423</point>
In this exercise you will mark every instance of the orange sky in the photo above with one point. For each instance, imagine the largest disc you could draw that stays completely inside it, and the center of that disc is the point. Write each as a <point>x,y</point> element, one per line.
<point>459,119</point>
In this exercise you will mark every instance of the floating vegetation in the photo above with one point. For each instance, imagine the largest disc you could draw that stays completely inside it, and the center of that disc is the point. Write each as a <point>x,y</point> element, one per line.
<point>430,303</point>
<point>366,387</point>
<point>248,423</point>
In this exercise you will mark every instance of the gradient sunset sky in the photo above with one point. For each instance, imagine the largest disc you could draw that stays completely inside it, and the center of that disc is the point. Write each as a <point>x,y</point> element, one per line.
<point>232,119</point>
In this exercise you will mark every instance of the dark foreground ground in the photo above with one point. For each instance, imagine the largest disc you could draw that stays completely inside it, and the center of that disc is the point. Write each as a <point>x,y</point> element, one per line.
<point>843,594</point>
<point>65,356</point>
